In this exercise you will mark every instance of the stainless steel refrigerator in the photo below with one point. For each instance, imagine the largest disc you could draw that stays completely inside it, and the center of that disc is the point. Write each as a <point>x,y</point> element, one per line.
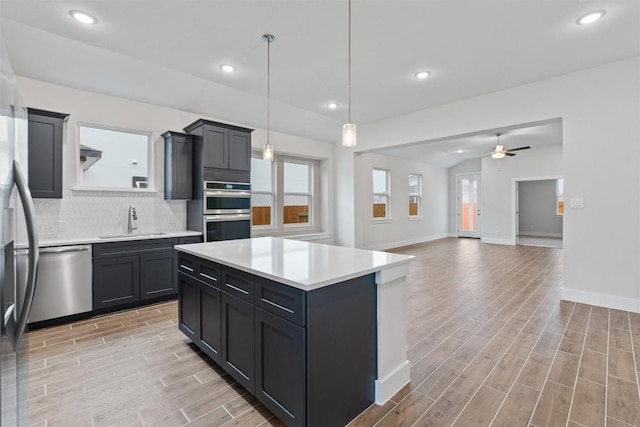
<point>14,381</point>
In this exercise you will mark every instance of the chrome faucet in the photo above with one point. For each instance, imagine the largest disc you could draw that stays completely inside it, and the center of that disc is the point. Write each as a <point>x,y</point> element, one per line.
<point>132,219</point>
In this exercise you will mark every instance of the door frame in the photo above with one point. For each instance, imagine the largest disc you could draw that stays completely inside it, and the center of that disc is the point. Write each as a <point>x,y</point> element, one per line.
<point>514,201</point>
<point>458,176</point>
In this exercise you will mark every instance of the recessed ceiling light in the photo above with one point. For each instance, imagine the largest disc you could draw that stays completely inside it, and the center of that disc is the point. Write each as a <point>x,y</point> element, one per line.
<point>332,105</point>
<point>83,17</point>
<point>423,74</point>
<point>460,151</point>
<point>227,68</point>
<point>590,17</point>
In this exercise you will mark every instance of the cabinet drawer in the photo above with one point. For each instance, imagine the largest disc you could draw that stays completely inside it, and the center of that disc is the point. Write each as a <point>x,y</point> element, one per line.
<point>188,264</point>
<point>238,283</point>
<point>209,273</point>
<point>282,300</point>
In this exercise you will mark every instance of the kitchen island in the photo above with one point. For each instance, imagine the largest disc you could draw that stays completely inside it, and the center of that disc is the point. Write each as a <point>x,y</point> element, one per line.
<point>315,332</point>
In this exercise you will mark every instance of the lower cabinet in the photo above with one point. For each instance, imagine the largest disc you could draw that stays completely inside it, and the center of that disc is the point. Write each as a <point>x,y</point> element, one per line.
<point>116,281</point>
<point>133,271</point>
<point>237,338</point>
<point>307,356</point>
<point>280,366</point>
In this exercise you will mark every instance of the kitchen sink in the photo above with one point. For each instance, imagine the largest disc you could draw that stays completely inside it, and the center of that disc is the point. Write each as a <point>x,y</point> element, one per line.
<point>131,236</point>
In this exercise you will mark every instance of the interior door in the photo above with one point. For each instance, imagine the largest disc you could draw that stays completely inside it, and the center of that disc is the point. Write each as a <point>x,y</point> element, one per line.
<point>468,195</point>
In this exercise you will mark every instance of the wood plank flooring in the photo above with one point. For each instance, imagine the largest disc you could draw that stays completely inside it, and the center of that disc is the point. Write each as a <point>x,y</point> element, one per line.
<point>489,343</point>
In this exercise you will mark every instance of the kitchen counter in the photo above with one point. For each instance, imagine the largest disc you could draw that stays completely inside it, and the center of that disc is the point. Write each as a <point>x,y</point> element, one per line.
<point>317,269</point>
<point>112,238</point>
<point>302,265</point>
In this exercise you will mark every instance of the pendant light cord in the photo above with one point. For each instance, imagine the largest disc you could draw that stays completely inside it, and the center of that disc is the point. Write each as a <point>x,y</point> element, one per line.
<point>268,87</point>
<point>349,86</point>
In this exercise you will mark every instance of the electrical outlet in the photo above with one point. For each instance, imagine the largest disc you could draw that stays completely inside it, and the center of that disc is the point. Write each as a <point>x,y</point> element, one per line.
<point>577,203</point>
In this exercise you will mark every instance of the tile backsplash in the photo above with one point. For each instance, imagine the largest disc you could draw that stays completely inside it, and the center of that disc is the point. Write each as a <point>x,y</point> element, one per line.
<point>83,213</point>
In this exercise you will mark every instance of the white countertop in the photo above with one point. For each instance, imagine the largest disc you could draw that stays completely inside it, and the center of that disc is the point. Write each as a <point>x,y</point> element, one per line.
<point>115,238</point>
<point>303,265</point>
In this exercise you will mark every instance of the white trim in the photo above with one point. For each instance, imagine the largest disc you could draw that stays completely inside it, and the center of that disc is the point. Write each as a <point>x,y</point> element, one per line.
<point>602,300</point>
<point>382,220</point>
<point>493,241</point>
<point>480,218</point>
<point>400,243</point>
<point>452,234</point>
<point>309,237</point>
<point>388,386</point>
<point>416,218</point>
<point>514,200</point>
<point>537,234</point>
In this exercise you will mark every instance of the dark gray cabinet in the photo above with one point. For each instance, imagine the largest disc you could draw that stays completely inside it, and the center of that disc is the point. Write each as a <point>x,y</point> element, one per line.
<point>237,340</point>
<point>223,146</point>
<point>310,357</point>
<point>45,153</point>
<point>178,166</point>
<point>133,271</point>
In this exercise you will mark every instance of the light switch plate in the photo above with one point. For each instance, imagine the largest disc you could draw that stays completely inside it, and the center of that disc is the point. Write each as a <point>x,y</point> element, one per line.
<point>577,203</point>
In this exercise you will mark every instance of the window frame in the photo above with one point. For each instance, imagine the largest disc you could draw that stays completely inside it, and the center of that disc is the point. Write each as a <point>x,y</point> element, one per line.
<point>79,185</point>
<point>418,195</point>
<point>386,194</point>
<point>278,227</point>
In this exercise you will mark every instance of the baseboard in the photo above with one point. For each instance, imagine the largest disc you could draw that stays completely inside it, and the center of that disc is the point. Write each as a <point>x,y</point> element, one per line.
<point>453,234</point>
<point>400,243</point>
<point>497,241</point>
<point>602,300</point>
<point>535,234</point>
<point>392,383</point>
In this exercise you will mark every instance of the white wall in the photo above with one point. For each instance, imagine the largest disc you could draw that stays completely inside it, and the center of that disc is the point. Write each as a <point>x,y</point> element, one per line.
<point>90,213</point>
<point>498,188</point>
<point>537,209</point>
<point>598,107</point>
<point>468,166</point>
<point>400,230</point>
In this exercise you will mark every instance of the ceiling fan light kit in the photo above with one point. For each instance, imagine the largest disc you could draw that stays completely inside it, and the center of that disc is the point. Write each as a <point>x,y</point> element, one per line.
<point>500,151</point>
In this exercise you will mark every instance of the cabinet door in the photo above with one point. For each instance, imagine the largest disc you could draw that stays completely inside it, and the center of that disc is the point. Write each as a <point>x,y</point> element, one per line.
<point>215,152</point>
<point>238,340</point>
<point>45,155</point>
<point>280,367</point>
<point>157,274</point>
<point>116,281</point>
<point>210,329</point>
<point>178,166</point>
<point>188,306</point>
<point>239,150</point>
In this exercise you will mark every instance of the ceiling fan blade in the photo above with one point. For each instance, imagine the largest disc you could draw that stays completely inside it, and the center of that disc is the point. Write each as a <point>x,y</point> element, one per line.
<point>506,153</point>
<point>519,148</point>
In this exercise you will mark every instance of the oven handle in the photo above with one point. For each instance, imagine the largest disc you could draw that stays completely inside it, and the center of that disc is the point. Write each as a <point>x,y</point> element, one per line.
<point>240,194</point>
<point>220,218</point>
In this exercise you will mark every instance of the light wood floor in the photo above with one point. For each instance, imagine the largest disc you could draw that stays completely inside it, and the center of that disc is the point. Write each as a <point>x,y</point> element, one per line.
<point>489,342</point>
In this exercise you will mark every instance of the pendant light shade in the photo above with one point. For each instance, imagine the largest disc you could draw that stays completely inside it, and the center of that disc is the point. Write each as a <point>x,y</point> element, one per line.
<point>349,135</point>
<point>349,129</point>
<point>267,149</point>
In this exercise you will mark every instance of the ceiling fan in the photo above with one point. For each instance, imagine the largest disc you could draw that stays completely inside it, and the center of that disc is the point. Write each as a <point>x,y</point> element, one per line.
<point>500,151</point>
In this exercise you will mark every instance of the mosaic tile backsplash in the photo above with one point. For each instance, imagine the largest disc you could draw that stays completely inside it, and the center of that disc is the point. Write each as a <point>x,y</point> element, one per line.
<point>94,213</point>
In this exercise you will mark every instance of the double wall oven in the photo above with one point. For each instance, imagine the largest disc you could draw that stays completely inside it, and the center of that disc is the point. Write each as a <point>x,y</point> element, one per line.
<point>226,210</point>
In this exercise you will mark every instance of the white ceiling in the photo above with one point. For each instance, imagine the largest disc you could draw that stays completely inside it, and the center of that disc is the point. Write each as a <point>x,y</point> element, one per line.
<point>167,52</point>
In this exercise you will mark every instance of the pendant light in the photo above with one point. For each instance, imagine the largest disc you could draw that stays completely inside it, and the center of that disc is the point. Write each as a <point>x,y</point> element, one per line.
<point>349,129</point>
<point>267,149</point>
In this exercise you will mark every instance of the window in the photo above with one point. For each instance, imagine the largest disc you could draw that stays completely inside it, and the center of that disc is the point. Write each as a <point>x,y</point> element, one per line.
<point>415,196</point>
<point>560,196</point>
<point>110,158</point>
<point>262,192</point>
<point>283,194</point>
<point>381,194</point>
<point>297,192</point>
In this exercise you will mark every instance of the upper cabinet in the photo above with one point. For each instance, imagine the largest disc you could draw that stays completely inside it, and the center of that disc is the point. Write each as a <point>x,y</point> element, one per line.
<point>222,146</point>
<point>178,166</point>
<point>45,153</point>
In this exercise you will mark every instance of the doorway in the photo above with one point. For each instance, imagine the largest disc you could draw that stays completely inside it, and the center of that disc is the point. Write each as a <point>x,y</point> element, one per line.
<point>469,202</point>
<point>539,212</point>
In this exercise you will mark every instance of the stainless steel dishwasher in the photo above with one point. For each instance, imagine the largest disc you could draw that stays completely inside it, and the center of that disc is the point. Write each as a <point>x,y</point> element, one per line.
<point>63,284</point>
